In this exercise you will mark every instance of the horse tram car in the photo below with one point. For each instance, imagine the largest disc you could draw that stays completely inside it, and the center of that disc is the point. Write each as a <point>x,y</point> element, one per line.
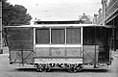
<point>60,44</point>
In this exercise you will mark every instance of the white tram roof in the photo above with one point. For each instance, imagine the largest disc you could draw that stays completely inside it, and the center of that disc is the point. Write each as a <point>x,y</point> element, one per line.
<point>63,25</point>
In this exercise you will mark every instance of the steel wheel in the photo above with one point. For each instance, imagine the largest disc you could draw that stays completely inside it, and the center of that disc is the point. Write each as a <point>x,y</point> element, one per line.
<point>47,69</point>
<point>79,68</point>
<point>75,68</point>
<point>72,70</point>
<point>40,68</point>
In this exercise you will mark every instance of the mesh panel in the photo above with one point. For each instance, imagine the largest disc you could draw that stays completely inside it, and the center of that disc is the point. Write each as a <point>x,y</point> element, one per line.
<point>58,36</point>
<point>43,36</point>
<point>73,36</point>
<point>20,38</point>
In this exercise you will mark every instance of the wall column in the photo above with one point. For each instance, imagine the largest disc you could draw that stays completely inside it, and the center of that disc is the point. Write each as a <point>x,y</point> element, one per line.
<point>103,10</point>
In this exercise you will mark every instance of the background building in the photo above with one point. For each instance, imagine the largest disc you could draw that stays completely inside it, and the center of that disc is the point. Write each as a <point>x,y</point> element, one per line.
<point>86,19</point>
<point>109,15</point>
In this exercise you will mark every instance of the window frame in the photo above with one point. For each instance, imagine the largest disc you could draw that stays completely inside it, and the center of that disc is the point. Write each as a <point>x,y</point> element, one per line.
<point>65,35</point>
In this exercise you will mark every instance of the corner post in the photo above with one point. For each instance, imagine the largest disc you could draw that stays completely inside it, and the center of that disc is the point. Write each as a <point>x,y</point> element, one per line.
<point>1,40</point>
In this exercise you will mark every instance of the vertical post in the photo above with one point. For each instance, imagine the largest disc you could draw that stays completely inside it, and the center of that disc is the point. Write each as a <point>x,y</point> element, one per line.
<point>95,50</point>
<point>34,38</point>
<point>50,35</point>
<point>50,49</point>
<point>65,42</point>
<point>114,39</point>
<point>114,36</point>
<point>65,35</point>
<point>1,43</point>
<point>104,8</point>
<point>82,44</point>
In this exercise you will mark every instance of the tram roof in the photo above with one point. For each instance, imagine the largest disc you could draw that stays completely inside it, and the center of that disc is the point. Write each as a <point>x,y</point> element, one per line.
<point>63,25</point>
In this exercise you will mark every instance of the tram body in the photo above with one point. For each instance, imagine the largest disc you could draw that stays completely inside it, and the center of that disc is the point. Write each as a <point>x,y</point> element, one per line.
<point>68,46</point>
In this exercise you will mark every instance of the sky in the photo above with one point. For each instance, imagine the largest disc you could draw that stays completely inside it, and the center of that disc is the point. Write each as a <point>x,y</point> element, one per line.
<point>59,9</point>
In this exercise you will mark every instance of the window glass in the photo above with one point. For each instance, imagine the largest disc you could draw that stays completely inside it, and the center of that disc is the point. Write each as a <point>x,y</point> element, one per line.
<point>73,36</point>
<point>43,36</point>
<point>58,36</point>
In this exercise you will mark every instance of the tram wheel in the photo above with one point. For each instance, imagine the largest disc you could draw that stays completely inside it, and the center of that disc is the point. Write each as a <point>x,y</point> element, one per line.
<point>47,69</point>
<point>40,68</point>
<point>72,70</point>
<point>75,68</point>
<point>79,68</point>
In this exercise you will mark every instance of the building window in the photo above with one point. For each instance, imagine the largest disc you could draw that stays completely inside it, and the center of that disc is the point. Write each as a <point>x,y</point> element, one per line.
<point>73,36</point>
<point>43,36</point>
<point>58,36</point>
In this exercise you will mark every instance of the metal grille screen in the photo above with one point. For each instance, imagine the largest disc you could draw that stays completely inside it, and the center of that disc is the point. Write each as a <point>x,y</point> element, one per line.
<point>58,36</point>
<point>43,36</point>
<point>73,36</point>
<point>20,38</point>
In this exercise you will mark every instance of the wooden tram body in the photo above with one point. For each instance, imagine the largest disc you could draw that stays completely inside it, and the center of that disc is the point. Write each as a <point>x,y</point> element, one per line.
<point>68,46</point>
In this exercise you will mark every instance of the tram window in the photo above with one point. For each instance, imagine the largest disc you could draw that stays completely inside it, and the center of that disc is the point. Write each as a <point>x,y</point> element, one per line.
<point>89,36</point>
<point>73,36</point>
<point>43,36</point>
<point>93,35</point>
<point>58,36</point>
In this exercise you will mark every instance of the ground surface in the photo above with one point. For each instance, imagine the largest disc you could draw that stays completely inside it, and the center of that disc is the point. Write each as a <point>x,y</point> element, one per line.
<point>8,70</point>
